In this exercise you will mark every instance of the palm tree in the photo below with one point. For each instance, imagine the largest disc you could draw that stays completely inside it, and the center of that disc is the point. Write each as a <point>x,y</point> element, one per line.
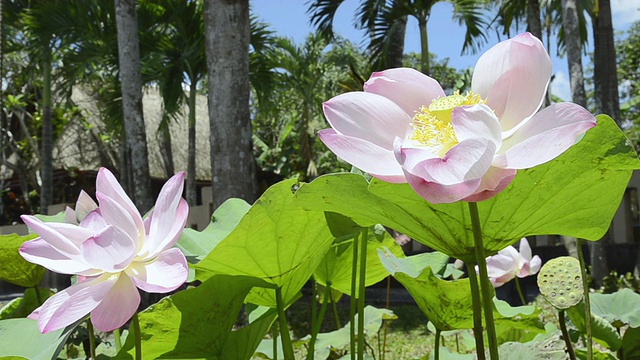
<point>181,60</point>
<point>605,79</point>
<point>227,29</point>
<point>380,18</point>
<point>131,81</point>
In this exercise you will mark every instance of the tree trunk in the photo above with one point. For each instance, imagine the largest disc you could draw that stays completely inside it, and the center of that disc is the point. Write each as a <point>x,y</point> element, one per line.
<point>534,25</point>
<point>396,42</point>
<point>574,51</point>
<point>131,82</point>
<point>192,196</point>
<point>605,75</point>
<point>424,47</point>
<point>607,101</point>
<point>166,150</point>
<point>46,172</point>
<point>227,29</point>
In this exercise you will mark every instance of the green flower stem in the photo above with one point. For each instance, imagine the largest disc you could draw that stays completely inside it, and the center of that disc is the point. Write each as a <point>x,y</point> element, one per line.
<point>317,322</point>
<point>336,317</point>
<point>587,303</point>
<point>287,345</point>
<point>275,341</point>
<point>118,339</point>
<point>361,286</point>
<point>314,304</point>
<point>92,340</point>
<point>352,300</point>
<point>477,311</point>
<point>565,335</point>
<point>524,302</point>
<point>137,336</point>
<point>436,350</point>
<point>485,284</point>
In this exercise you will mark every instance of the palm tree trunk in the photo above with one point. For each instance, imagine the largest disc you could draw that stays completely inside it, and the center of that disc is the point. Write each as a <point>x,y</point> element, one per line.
<point>227,29</point>
<point>533,18</point>
<point>46,175</point>
<point>396,42</point>
<point>131,82</point>
<point>424,47</point>
<point>192,197</point>
<point>574,52</point>
<point>166,150</point>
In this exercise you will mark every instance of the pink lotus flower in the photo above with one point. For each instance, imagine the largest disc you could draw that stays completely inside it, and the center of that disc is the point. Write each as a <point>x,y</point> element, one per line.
<point>403,128</point>
<point>509,263</point>
<point>113,251</point>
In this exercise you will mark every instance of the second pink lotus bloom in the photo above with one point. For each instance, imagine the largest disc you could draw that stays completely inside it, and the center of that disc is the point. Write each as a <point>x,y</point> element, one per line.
<point>403,128</point>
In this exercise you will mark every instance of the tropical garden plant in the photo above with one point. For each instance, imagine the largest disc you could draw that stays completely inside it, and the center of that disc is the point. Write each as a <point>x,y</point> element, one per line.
<point>467,174</point>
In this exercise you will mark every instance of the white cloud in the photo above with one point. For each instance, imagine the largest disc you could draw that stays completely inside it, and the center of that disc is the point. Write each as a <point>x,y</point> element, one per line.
<point>561,87</point>
<point>624,12</point>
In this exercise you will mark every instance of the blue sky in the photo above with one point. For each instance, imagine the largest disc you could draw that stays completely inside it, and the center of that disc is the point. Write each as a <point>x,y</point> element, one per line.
<point>289,18</point>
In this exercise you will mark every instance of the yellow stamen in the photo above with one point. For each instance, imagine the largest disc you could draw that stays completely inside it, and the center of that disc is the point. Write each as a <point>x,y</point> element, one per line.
<point>432,126</point>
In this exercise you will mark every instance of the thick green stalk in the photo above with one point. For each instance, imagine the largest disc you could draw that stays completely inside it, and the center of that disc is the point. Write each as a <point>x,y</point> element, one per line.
<point>485,284</point>
<point>336,317</point>
<point>314,304</point>
<point>275,341</point>
<point>361,288</point>
<point>436,349</point>
<point>424,47</point>
<point>565,335</point>
<point>587,303</point>
<point>317,322</point>
<point>519,288</point>
<point>92,340</point>
<point>287,345</point>
<point>352,300</point>
<point>138,337</point>
<point>118,339</point>
<point>477,310</point>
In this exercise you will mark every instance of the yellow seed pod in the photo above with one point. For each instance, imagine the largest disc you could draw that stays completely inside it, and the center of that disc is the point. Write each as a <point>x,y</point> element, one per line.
<point>560,281</point>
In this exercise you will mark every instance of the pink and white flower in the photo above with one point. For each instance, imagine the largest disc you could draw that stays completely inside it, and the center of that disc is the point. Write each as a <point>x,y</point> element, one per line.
<point>509,263</point>
<point>114,252</point>
<point>403,128</point>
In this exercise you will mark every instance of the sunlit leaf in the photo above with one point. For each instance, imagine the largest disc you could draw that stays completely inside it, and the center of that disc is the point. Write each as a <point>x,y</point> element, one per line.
<point>15,269</point>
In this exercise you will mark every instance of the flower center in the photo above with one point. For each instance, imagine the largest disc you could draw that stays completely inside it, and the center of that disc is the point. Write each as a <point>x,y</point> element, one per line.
<point>432,126</point>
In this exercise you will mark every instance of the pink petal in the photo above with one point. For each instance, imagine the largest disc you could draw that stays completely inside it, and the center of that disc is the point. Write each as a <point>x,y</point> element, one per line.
<point>469,160</point>
<point>73,303</point>
<point>70,216</point>
<point>407,87</point>
<point>437,193</point>
<point>370,117</point>
<point>114,214</point>
<point>368,157</point>
<point>84,205</point>
<point>163,274</point>
<point>493,182</point>
<point>110,250</point>
<point>40,252</point>
<point>513,77</point>
<point>76,234</point>
<point>531,268</point>
<point>162,240</point>
<point>545,136</point>
<point>118,306</point>
<point>476,121</point>
<point>50,235</point>
<point>169,216</point>
<point>94,221</point>
<point>107,184</point>
<point>525,249</point>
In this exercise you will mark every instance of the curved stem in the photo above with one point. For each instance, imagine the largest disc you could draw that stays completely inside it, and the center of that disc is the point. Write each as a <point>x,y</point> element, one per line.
<point>565,335</point>
<point>436,354</point>
<point>524,302</point>
<point>118,339</point>
<point>477,311</point>
<point>287,346</point>
<point>587,303</point>
<point>334,307</point>
<point>485,284</point>
<point>317,322</point>
<point>137,336</point>
<point>352,300</point>
<point>361,288</point>
<point>92,340</point>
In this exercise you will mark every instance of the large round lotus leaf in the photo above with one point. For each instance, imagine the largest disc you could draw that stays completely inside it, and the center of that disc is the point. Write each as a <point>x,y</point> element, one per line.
<point>560,281</point>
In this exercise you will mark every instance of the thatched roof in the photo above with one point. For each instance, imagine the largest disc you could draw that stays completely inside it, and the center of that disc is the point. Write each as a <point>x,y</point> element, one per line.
<point>78,145</point>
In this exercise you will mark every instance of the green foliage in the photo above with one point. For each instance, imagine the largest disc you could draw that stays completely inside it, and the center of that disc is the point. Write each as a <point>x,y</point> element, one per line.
<point>631,344</point>
<point>21,307</point>
<point>603,332</point>
<point>195,323</point>
<point>275,241</point>
<point>15,269</point>
<point>614,282</point>
<point>619,309</point>
<point>21,338</point>
<point>575,194</point>
<point>628,66</point>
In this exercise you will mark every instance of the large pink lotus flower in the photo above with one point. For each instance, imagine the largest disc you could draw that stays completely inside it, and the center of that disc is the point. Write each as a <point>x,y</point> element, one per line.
<point>403,128</point>
<point>509,263</point>
<point>113,251</point>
